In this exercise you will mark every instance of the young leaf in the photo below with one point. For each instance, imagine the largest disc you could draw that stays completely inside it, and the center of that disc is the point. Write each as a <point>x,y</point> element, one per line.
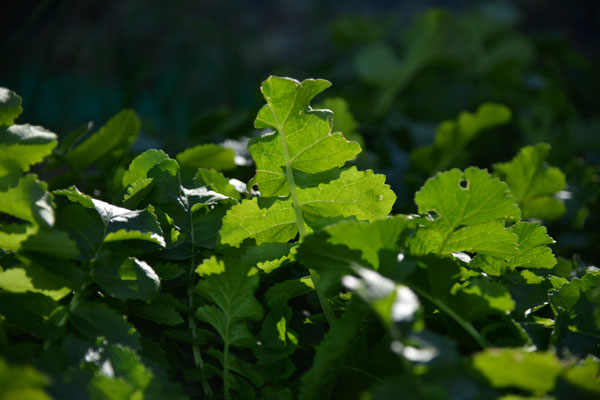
<point>118,134</point>
<point>532,252</point>
<point>472,207</point>
<point>10,106</point>
<point>452,137</point>
<point>343,120</point>
<point>532,182</point>
<point>22,146</point>
<point>206,156</point>
<point>215,181</point>
<point>230,286</point>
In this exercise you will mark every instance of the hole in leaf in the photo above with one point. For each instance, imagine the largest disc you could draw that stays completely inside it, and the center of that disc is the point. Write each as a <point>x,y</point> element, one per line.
<point>433,215</point>
<point>463,184</point>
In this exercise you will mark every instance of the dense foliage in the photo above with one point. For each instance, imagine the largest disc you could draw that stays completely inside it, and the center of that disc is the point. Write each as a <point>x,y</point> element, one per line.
<point>159,277</point>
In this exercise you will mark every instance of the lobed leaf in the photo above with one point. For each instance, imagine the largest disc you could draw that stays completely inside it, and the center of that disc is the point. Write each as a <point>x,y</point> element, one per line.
<point>471,207</point>
<point>302,139</point>
<point>532,182</point>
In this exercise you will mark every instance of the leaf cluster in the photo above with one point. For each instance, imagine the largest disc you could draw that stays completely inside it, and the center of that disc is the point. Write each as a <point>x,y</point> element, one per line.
<point>171,280</point>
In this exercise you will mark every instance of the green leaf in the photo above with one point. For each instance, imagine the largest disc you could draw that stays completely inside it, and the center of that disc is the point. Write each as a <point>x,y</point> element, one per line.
<point>228,285</point>
<point>153,178</point>
<point>343,120</point>
<point>359,194</point>
<point>452,137</point>
<point>242,368</point>
<point>533,182</point>
<point>118,134</point>
<point>269,256</point>
<point>27,238</point>
<point>10,106</point>
<point>27,199</point>
<point>126,278</point>
<point>534,372</point>
<point>22,146</point>
<point>495,294</point>
<point>93,319</point>
<point>259,219</point>
<point>33,278</point>
<point>533,252</point>
<point>278,341</point>
<point>377,65</point>
<point>471,207</point>
<point>302,139</point>
<point>21,382</point>
<point>207,156</point>
<point>393,303</point>
<point>120,223</point>
<point>216,181</point>
<point>34,313</point>
<point>157,312</point>
<point>369,238</point>
<point>580,298</point>
<point>336,344</point>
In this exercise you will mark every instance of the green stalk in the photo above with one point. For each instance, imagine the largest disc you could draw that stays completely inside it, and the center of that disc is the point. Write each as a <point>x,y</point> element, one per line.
<point>466,325</point>
<point>226,383</point>
<point>329,314</point>
<point>198,361</point>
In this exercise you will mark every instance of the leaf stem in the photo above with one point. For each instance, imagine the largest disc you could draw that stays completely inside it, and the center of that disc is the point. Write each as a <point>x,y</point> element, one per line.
<point>466,325</point>
<point>329,314</point>
<point>198,361</point>
<point>226,363</point>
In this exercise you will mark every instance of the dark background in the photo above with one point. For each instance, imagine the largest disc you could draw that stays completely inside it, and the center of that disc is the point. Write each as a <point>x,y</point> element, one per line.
<point>179,62</point>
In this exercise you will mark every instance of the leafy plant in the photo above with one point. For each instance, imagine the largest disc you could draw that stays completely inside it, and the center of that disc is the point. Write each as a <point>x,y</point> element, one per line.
<point>171,280</point>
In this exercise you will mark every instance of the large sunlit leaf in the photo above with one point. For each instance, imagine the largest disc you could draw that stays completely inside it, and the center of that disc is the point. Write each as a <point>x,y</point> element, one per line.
<point>303,138</point>
<point>469,210</point>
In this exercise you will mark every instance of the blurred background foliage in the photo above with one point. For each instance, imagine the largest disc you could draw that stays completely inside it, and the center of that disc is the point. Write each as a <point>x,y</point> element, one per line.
<point>191,71</point>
